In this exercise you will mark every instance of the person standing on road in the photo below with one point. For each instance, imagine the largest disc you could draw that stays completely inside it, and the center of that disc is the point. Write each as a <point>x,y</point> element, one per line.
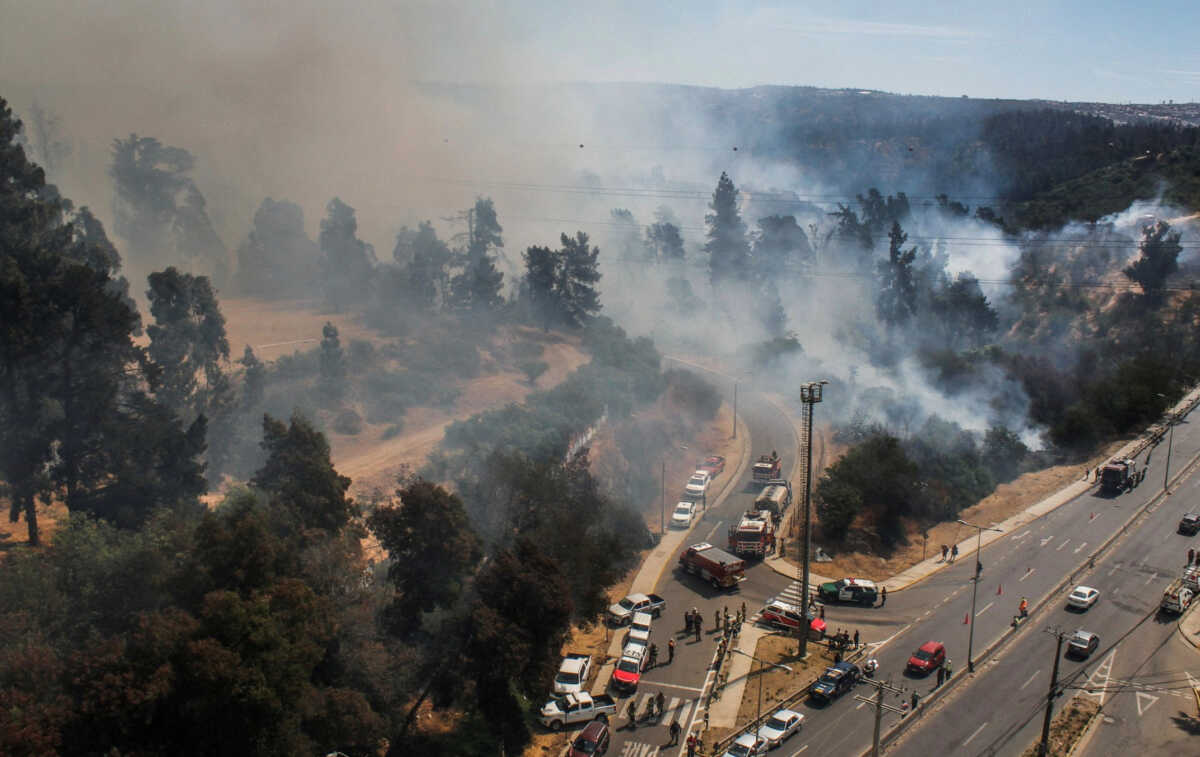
<point>631,713</point>
<point>691,745</point>
<point>1191,556</point>
<point>949,669</point>
<point>674,732</point>
<point>954,553</point>
<point>670,651</point>
<point>696,628</point>
<point>916,698</point>
<point>882,596</point>
<point>856,638</point>
<point>661,703</point>
<point>716,620</point>
<point>945,551</point>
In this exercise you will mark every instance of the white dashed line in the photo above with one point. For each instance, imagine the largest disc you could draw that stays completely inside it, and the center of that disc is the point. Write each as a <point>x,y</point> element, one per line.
<point>973,735</point>
<point>1060,546</point>
<point>1027,575</point>
<point>1035,675</point>
<point>1081,546</point>
<point>985,608</point>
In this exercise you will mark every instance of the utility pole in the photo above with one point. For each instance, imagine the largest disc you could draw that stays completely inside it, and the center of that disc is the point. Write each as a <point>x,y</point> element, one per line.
<point>975,588</point>
<point>1044,747</point>
<point>810,394</point>
<point>662,500</point>
<point>880,687</point>
<point>1170,441</point>
<point>735,409</point>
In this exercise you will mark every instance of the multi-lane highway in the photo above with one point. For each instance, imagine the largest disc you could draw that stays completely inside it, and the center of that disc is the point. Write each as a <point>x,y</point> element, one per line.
<point>993,711</point>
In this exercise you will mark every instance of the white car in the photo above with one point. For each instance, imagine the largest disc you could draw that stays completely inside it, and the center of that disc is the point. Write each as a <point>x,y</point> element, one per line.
<point>746,745</point>
<point>779,727</point>
<point>1083,597</point>
<point>639,629</point>
<point>697,485</point>
<point>684,512</point>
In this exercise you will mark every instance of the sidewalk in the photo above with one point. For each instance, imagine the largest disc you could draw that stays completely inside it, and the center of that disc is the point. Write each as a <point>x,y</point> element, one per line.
<point>1189,626</point>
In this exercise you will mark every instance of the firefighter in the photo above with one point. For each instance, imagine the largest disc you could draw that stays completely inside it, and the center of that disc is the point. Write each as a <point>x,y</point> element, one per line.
<point>1023,608</point>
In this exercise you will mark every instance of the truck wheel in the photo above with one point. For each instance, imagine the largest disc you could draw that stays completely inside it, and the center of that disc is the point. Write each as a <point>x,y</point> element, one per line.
<point>556,725</point>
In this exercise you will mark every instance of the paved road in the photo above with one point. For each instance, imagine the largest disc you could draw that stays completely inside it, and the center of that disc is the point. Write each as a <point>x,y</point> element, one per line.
<point>682,681</point>
<point>999,711</point>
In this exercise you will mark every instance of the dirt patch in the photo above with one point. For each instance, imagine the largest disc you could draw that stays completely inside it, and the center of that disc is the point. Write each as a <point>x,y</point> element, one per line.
<point>863,556</point>
<point>1067,727</point>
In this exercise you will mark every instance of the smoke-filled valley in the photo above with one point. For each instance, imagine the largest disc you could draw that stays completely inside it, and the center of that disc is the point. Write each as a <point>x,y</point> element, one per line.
<point>433,425</point>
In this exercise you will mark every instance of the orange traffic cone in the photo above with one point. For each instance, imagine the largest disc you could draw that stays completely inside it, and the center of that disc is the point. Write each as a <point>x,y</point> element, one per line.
<point>1000,589</point>
<point>966,618</point>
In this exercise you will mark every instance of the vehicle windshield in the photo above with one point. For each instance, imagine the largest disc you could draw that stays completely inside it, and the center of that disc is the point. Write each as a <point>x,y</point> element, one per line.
<point>567,678</point>
<point>831,676</point>
<point>626,666</point>
<point>587,746</point>
<point>695,480</point>
<point>776,724</point>
<point>922,655</point>
<point>740,750</point>
<point>626,603</point>
<point>683,510</point>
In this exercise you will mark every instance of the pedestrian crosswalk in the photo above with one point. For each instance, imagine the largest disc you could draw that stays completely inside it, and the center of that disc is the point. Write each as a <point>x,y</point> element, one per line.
<point>676,708</point>
<point>639,749</point>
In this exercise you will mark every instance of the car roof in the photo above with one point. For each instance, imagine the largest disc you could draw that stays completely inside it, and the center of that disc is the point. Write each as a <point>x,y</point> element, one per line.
<point>641,616</point>
<point>746,739</point>
<point>845,666</point>
<point>1082,634</point>
<point>783,606</point>
<point>931,646</point>
<point>685,503</point>
<point>593,729</point>
<point>1085,589</point>
<point>785,714</point>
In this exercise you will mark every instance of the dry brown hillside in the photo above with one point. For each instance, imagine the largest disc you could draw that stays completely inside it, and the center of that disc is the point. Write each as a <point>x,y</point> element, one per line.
<point>274,329</point>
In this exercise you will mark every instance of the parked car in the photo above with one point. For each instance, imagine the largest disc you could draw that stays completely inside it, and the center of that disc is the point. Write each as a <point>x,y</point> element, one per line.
<point>621,613</point>
<point>858,590</point>
<point>779,727</point>
<point>639,629</point>
<point>592,741</point>
<point>577,708</point>
<point>746,745</point>
<point>788,616</point>
<point>1083,597</point>
<point>628,673</point>
<point>684,512</point>
<point>835,681</point>
<point>572,673</point>
<point>1082,644</point>
<point>712,465</point>
<point>929,657</point>
<point>697,485</point>
<point>1189,524</point>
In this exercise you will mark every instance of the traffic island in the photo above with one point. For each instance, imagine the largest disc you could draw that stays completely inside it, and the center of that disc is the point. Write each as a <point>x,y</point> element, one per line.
<point>1068,727</point>
<point>738,707</point>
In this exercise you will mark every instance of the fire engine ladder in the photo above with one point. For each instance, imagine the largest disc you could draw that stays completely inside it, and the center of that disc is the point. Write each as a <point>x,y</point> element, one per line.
<point>801,474</point>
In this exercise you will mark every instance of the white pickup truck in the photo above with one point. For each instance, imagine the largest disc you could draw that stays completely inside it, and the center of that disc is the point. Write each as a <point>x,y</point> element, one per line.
<point>621,613</point>
<point>577,708</point>
<point>572,673</point>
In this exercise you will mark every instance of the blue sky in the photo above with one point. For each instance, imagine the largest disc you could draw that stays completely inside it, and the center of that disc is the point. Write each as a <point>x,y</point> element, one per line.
<point>1108,51</point>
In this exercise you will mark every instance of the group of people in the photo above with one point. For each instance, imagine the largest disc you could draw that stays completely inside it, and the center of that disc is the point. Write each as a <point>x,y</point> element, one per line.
<point>842,640</point>
<point>949,554</point>
<point>652,704</point>
<point>692,622</point>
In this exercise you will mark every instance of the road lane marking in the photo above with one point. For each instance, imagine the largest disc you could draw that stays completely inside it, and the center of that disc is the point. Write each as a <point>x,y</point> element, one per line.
<point>1060,546</point>
<point>1035,675</point>
<point>676,686</point>
<point>1153,576</point>
<point>1081,546</point>
<point>713,531</point>
<point>801,749</point>
<point>1095,689</point>
<point>1027,575</point>
<point>1115,568</point>
<point>1048,538</point>
<point>985,607</point>
<point>861,705</point>
<point>1140,708</point>
<point>1027,533</point>
<point>973,735</point>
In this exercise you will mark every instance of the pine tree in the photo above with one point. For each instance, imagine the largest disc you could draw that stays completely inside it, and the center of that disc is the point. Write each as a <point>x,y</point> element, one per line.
<point>477,288</point>
<point>728,251</point>
<point>895,301</point>
<point>1159,259</point>
<point>332,382</point>
<point>347,262</point>
<point>578,277</point>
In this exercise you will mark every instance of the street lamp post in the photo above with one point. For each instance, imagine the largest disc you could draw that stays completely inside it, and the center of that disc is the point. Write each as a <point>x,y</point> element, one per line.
<point>761,663</point>
<point>810,394</point>
<point>1170,441</point>
<point>975,587</point>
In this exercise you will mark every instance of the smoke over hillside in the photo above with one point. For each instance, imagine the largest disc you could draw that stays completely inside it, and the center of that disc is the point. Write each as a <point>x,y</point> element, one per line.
<point>302,102</point>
